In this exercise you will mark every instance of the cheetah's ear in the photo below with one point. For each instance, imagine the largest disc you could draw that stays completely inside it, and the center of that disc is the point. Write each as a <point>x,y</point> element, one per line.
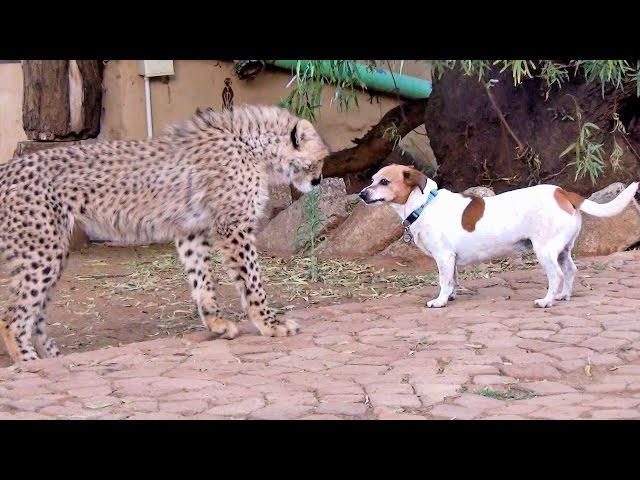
<point>298,133</point>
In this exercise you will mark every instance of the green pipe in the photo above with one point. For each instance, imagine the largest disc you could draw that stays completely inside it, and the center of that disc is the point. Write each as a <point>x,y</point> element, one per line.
<point>376,79</point>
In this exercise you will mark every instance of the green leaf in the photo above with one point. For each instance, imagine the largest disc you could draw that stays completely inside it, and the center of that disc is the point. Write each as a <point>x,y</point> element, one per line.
<point>567,150</point>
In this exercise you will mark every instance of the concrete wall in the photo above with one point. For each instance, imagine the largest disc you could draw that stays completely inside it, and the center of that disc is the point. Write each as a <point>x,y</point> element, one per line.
<point>196,83</point>
<point>200,83</point>
<point>11,131</point>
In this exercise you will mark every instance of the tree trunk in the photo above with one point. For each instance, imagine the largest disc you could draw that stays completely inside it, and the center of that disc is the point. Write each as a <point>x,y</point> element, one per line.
<point>376,145</point>
<point>62,99</point>
<point>485,137</point>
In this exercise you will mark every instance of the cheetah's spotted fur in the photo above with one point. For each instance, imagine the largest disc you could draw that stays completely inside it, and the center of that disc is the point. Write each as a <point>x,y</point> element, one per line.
<point>203,184</point>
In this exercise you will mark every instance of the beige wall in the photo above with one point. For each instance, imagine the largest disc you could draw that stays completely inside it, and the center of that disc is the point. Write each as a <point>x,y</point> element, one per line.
<point>11,131</point>
<point>200,83</point>
<point>196,83</point>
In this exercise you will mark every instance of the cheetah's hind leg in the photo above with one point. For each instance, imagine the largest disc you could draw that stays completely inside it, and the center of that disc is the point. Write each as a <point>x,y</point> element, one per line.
<point>194,252</point>
<point>45,346</point>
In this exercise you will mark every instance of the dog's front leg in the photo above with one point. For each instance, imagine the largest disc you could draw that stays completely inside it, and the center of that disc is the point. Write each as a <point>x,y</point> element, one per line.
<point>446,276</point>
<point>452,295</point>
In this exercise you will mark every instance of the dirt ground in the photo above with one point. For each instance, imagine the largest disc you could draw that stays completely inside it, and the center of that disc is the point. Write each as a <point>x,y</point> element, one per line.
<point>111,296</point>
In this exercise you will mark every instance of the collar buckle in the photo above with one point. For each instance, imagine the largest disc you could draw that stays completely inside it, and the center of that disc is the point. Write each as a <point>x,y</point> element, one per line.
<point>413,216</point>
<point>406,236</point>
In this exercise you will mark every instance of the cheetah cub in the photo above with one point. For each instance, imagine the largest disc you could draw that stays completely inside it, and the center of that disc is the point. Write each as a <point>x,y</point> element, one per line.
<point>204,184</point>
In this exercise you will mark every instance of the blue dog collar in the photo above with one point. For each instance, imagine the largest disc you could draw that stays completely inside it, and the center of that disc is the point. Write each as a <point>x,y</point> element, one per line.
<point>413,216</point>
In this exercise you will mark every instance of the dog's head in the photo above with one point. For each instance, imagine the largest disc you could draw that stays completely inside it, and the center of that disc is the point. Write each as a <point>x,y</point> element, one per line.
<point>394,184</point>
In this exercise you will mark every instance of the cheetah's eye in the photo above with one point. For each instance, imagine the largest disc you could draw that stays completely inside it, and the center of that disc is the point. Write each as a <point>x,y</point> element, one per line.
<point>384,181</point>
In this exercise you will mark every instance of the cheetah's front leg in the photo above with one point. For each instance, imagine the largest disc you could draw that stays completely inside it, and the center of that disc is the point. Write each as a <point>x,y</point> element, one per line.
<point>240,259</point>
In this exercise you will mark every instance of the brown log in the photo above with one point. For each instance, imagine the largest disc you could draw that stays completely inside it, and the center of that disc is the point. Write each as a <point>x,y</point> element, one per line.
<point>376,145</point>
<point>91,71</point>
<point>46,111</point>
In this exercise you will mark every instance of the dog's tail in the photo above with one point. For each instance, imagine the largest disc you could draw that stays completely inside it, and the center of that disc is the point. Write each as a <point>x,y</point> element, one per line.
<point>609,209</point>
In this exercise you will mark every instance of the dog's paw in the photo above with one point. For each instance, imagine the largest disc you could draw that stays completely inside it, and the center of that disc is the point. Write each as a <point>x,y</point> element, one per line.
<point>543,303</point>
<point>563,296</point>
<point>436,303</point>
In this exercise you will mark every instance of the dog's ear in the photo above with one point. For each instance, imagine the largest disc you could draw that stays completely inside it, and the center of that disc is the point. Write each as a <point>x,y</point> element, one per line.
<point>415,178</point>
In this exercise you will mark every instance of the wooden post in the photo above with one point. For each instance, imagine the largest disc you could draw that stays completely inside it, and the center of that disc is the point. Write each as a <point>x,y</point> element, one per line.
<point>62,99</point>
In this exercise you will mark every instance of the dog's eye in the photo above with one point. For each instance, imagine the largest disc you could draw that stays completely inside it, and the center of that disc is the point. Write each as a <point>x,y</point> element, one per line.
<point>384,181</point>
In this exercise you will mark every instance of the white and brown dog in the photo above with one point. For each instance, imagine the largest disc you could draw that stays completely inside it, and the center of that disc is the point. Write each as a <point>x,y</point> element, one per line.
<point>457,229</point>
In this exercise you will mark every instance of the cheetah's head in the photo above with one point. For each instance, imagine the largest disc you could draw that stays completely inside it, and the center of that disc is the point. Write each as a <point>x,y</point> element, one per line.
<point>306,154</point>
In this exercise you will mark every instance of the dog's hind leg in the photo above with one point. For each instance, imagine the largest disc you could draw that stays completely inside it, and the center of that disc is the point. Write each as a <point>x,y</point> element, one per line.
<point>548,257</point>
<point>446,276</point>
<point>569,269</point>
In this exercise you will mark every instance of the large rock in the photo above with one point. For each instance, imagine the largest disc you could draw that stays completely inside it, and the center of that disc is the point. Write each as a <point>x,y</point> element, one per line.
<point>603,236</point>
<point>368,230</point>
<point>403,252</point>
<point>479,191</point>
<point>279,200</point>
<point>279,235</point>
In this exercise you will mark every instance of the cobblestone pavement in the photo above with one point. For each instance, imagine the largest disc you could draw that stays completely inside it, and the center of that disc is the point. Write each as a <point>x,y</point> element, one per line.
<point>488,355</point>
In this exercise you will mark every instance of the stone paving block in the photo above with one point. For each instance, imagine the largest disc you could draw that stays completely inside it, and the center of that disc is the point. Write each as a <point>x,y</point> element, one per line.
<point>451,412</point>
<point>616,414</point>
<point>347,409</point>
<point>279,412</point>
<point>537,371</point>
<point>240,408</point>
<point>394,400</point>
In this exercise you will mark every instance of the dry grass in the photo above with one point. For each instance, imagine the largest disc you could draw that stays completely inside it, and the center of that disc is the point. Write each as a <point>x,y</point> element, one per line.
<point>336,279</point>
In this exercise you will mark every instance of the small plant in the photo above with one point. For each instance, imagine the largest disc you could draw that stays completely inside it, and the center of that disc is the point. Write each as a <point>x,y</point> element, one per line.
<point>618,73</point>
<point>311,76</point>
<point>553,74</point>
<point>475,67</point>
<point>308,230</point>
<point>509,394</point>
<point>616,154</point>
<point>588,154</point>
<point>605,71</point>
<point>534,165</point>
<point>519,69</point>
<point>393,133</point>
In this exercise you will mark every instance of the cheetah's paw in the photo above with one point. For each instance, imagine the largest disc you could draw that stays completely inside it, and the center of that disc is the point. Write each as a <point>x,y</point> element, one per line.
<point>280,328</point>
<point>222,328</point>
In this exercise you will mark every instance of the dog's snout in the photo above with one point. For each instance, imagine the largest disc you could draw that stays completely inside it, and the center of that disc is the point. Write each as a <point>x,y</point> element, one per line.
<point>364,194</point>
<point>315,181</point>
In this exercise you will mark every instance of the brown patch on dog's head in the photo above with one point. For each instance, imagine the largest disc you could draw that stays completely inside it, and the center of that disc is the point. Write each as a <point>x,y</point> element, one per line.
<point>473,212</point>
<point>394,184</point>
<point>567,201</point>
